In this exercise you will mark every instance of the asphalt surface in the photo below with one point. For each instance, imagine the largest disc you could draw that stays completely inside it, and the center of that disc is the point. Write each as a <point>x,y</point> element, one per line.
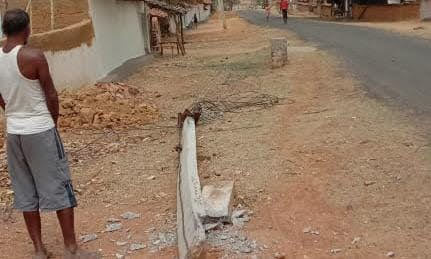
<point>390,66</point>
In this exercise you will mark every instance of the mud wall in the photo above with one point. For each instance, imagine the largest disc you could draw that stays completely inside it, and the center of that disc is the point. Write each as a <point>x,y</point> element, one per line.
<point>66,13</point>
<point>386,13</point>
<point>325,11</point>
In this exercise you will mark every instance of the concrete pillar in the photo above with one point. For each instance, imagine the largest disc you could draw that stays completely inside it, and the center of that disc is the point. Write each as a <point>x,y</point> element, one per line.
<point>278,52</point>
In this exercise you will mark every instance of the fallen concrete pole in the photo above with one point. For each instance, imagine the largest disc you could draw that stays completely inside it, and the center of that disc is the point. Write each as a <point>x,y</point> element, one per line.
<point>190,209</point>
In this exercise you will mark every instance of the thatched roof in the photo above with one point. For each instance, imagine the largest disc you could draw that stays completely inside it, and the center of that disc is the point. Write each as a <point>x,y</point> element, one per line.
<point>167,6</point>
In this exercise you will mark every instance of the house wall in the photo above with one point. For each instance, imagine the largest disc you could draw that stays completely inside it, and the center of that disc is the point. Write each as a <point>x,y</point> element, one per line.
<point>200,12</point>
<point>86,51</point>
<point>118,32</point>
<point>188,18</point>
<point>426,10</point>
<point>386,13</point>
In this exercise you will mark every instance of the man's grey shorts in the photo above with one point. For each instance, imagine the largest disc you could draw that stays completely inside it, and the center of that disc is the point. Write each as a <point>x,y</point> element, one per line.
<point>39,172</point>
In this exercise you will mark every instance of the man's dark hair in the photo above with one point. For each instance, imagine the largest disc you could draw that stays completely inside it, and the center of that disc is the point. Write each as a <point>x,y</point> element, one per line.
<point>15,21</point>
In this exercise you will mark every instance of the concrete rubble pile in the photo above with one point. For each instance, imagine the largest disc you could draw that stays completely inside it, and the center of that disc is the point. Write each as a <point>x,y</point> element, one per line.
<point>105,105</point>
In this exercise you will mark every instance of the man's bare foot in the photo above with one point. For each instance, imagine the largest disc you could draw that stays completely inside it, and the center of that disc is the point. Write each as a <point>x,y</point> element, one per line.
<point>81,254</point>
<point>43,254</point>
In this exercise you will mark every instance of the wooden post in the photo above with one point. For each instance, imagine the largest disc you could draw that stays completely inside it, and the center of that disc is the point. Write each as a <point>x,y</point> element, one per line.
<point>221,7</point>
<point>182,30</point>
<point>178,34</point>
<point>52,15</point>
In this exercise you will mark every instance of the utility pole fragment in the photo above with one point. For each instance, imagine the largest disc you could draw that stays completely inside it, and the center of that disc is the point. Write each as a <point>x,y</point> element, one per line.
<point>221,9</point>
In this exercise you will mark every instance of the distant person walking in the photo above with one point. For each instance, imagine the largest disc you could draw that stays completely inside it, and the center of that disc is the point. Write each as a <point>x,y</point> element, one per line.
<point>284,6</point>
<point>37,162</point>
<point>268,11</point>
<point>195,21</point>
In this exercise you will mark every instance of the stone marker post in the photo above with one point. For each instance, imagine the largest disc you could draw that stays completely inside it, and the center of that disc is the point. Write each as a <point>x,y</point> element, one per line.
<point>278,52</point>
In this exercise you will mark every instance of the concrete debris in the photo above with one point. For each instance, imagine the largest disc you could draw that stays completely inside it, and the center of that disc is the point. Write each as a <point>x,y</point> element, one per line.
<point>152,177</point>
<point>390,254</point>
<point>355,240</point>
<point>120,243</point>
<point>158,241</point>
<point>120,256</point>
<point>134,247</point>
<point>113,227</point>
<point>239,218</point>
<point>279,256</point>
<point>130,215</point>
<point>308,230</point>
<point>211,226</point>
<point>368,183</point>
<point>336,251</point>
<point>88,238</point>
<point>218,200</point>
<point>231,241</point>
<point>113,220</point>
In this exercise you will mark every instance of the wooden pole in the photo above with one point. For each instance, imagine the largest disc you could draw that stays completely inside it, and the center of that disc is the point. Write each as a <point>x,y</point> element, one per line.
<point>221,9</point>
<point>182,30</point>
<point>52,15</point>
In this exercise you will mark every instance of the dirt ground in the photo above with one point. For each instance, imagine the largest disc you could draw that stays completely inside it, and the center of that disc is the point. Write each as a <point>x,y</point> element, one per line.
<point>327,172</point>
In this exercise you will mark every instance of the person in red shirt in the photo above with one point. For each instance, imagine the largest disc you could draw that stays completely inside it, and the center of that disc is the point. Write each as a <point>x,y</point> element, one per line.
<point>284,5</point>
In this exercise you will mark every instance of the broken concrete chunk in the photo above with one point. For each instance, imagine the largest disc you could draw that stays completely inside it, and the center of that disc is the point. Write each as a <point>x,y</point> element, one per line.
<point>390,254</point>
<point>368,183</point>
<point>336,251</point>
<point>130,215</point>
<point>355,240</point>
<point>239,217</point>
<point>308,230</point>
<point>88,238</point>
<point>134,247</point>
<point>113,220</point>
<point>113,227</point>
<point>218,199</point>
<point>211,226</point>
<point>120,243</point>
<point>279,256</point>
<point>120,256</point>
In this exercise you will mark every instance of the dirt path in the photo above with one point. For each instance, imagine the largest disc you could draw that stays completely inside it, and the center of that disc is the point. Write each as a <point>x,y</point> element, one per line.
<point>326,159</point>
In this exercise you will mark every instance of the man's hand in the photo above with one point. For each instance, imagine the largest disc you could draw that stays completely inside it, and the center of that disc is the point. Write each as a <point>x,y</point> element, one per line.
<point>2,103</point>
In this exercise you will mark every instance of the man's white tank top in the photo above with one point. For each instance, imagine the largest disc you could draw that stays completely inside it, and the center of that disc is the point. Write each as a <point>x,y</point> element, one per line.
<point>26,110</point>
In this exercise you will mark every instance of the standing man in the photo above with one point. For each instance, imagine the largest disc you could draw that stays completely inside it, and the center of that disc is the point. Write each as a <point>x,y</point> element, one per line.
<point>284,6</point>
<point>37,163</point>
<point>195,21</point>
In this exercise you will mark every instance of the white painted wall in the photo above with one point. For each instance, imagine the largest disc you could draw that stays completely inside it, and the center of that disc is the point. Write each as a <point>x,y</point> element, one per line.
<point>119,36</point>
<point>201,13</point>
<point>188,18</point>
<point>426,9</point>
<point>118,29</point>
<point>76,67</point>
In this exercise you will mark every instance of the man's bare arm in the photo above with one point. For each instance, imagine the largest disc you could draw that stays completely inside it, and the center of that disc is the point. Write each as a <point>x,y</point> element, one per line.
<point>2,103</point>
<point>47,86</point>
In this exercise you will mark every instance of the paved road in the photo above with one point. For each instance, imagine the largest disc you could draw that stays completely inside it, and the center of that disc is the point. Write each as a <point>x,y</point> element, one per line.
<point>393,67</point>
